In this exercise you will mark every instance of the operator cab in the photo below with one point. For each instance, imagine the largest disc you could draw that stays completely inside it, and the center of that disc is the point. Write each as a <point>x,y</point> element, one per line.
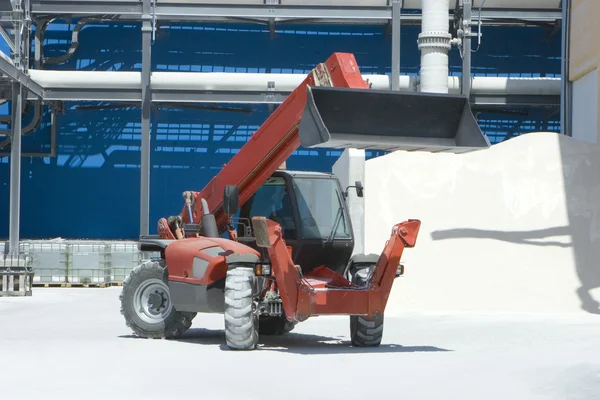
<point>312,211</point>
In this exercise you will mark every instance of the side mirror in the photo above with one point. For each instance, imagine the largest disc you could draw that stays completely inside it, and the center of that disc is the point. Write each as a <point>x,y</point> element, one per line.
<point>359,189</point>
<point>230,200</point>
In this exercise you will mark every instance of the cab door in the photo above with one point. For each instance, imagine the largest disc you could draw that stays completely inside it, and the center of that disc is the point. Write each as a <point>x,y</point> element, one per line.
<point>272,200</point>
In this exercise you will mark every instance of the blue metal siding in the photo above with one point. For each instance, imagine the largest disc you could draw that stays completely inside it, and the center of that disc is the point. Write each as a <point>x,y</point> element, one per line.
<point>91,189</point>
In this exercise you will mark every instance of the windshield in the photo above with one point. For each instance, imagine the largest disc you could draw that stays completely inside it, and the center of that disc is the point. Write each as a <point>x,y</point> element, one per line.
<point>272,201</point>
<point>320,209</point>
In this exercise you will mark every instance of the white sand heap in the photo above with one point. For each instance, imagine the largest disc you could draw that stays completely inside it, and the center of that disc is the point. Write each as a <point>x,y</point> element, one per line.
<point>515,228</point>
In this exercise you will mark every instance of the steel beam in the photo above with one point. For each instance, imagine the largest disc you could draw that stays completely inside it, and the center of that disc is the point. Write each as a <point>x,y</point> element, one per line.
<point>242,97</point>
<point>185,11</point>
<point>253,97</point>
<point>466,48</point>
<point>515,100</point>
<point>174,96</point>
<point>146,97</point>
<point>7,38</point>
<point>15,75</point>
<point>532,15</point>
<point>396,23</point>
<point>68,94</point>
<point>188,11</point>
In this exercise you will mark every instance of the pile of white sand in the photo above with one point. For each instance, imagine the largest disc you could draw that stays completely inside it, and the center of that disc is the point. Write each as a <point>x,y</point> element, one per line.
<point>515,228</point>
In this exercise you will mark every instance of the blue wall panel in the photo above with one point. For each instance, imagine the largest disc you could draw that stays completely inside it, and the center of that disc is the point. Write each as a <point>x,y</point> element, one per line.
<point>91,189</point>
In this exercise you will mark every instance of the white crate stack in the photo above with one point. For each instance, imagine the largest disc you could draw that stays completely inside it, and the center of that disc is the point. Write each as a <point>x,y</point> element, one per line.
<point>86,262</point>
<point>49,260</point>
<point>124,256</point>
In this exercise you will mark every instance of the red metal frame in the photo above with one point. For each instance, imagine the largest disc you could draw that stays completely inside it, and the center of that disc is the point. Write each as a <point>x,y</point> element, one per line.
<point>271,144</point>
<point>324,291</point>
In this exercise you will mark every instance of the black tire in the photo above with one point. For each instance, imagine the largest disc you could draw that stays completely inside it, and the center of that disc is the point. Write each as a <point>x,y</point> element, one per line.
<point>241,318</point>
<point>365,331</point>
<point>275,326</point>
<point>146,304</point>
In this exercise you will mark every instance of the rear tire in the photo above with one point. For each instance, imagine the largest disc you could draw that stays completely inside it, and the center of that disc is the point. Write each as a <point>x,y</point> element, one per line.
<point>241,318</point>
<point>365,331</point>
<point>146,304</point>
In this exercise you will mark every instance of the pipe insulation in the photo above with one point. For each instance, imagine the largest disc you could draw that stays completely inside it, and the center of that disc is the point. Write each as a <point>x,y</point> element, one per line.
<point>434,44</point>
<point>224,81</point>
<point>408,4</point>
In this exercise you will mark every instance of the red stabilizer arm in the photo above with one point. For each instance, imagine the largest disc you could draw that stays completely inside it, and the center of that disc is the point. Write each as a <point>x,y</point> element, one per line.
<point>326,292</point>
<point>268,234</point>
<point>403,235</point>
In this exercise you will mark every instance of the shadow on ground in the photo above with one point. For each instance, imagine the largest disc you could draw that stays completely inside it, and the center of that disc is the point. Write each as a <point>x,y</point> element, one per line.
<point>297,343</point>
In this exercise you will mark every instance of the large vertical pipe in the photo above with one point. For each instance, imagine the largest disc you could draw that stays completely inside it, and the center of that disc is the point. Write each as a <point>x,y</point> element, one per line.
<point>15,170</point>
<point>434,44</point>
<point>396,22</point>
<point>146,107</point>
<point>466,60</point>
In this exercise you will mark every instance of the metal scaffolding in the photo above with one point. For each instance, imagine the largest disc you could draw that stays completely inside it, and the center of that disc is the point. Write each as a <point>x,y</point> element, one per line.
<point>39,12</point>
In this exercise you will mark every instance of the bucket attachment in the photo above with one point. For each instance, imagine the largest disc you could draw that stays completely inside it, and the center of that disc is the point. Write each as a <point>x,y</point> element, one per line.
<point>389,120</point>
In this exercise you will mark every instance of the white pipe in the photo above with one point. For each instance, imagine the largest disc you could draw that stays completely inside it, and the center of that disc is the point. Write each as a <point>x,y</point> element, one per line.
<point>218,81</point>
<point>225,81</point>
<point>434,43</point>
<point>493,85</point>
<point>86,79</point>
<point>506,4</point>
<point>407,4</point>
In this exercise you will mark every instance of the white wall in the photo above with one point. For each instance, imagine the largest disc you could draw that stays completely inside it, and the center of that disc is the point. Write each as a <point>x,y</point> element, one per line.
<point>349,168</point>
<point>515,228</point>
<point>584,60</point>
<point>585,107</point>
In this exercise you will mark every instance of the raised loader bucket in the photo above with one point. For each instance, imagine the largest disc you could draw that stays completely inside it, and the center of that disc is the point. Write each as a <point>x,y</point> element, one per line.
<point>389,120</point>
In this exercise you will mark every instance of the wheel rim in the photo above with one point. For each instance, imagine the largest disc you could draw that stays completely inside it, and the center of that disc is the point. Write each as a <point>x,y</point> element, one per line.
<point>152,301</point>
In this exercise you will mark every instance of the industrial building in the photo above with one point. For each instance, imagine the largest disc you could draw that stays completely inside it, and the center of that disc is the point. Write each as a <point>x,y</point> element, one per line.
<point>439,159</point>
<point>82,148</point>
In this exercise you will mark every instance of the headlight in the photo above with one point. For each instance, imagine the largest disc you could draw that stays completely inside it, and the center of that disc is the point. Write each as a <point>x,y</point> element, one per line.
<point>262,270</point>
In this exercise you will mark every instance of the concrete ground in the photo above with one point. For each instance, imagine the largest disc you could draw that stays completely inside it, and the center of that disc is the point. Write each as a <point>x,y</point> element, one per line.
<point>73,344</point>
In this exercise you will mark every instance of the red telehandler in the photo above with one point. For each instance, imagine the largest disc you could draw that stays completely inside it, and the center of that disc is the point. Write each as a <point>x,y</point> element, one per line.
<point>268,247</point>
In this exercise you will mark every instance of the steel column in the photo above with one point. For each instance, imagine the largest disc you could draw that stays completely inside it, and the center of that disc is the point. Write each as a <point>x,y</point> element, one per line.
<point>15,169</point>
<point>15,149</point>
<point>565,90</point>
<point>466,48</point>
<point>146,108</point>
<point>396,23</point>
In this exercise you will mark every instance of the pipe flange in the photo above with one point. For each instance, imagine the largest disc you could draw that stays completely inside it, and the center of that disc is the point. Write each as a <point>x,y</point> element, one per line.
<point>435,39</point>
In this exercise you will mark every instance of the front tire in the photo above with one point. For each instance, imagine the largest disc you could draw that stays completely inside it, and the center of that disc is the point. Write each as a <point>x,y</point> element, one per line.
<point>241,318</point>
<point>365,331</point>
<point>146,304</point>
